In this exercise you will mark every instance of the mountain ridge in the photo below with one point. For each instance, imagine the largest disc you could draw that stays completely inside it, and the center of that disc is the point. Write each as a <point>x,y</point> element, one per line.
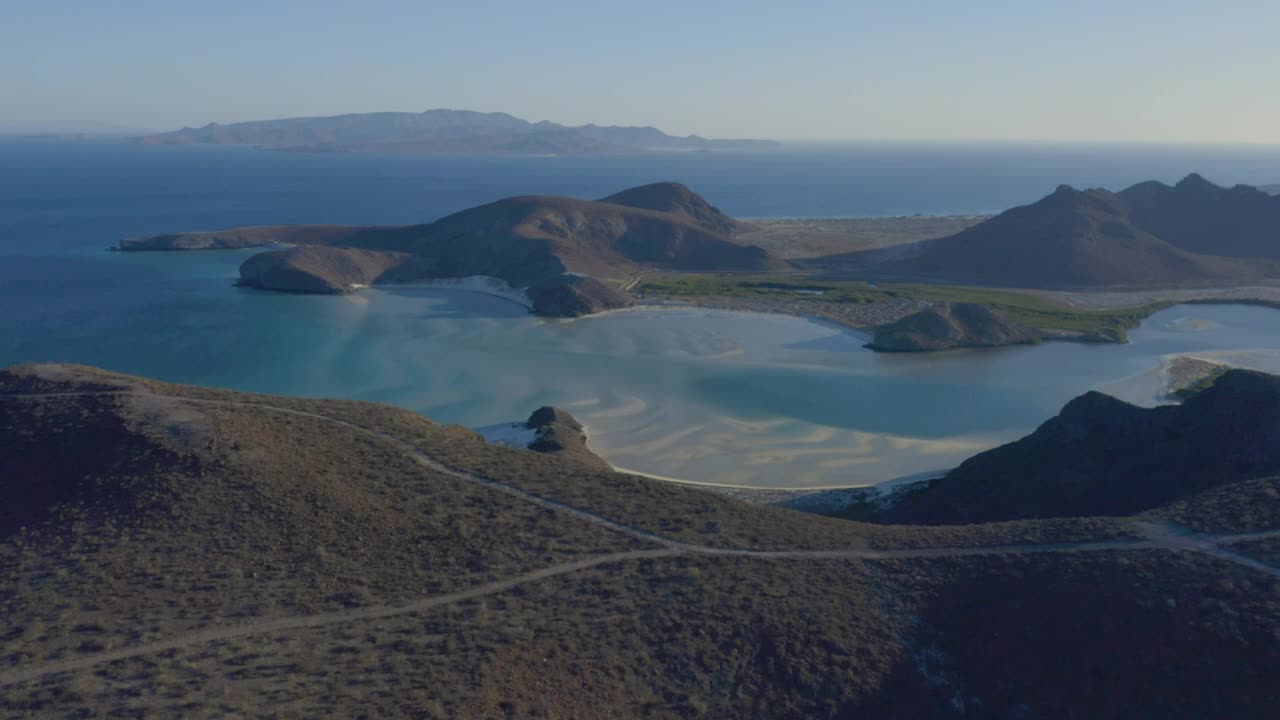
<point>1148,235</point>
<point>441,131</point>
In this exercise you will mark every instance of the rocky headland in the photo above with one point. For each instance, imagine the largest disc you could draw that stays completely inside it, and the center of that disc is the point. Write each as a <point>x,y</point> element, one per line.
<point>1102,456</point>
<point>245,237</point>
<point>569,256</point>
<point>559,433</point>
<point>946,326</point>
<point>312,269</point>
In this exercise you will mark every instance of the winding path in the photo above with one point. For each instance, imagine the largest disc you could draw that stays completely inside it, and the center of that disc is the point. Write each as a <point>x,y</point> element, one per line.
<point>1158,536</point>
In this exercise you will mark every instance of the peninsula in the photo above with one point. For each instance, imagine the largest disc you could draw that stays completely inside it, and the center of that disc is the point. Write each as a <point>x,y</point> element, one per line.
<point>664,243</point>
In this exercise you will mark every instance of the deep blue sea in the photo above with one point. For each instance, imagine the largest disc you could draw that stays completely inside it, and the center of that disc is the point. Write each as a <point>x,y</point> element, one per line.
<point>698,395</point>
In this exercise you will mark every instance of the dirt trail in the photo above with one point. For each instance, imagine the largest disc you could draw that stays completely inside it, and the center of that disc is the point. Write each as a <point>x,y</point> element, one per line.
<point>1159,536</point>
<point>1176,537</point>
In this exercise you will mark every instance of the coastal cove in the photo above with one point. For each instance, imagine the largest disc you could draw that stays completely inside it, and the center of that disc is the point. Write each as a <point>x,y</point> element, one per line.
<point>693,394</point>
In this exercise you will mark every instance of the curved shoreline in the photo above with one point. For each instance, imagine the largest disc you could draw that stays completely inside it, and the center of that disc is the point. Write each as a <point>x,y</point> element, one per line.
<point>479,284</point>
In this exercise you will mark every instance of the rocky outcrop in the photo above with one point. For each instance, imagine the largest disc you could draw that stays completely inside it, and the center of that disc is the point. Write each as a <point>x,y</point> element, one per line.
<point>574,296</point>
<point>1187,376</point>
<point>1102,456</point>
<point>559,433</point>
<point>951,325</point>
<point>326,269</point>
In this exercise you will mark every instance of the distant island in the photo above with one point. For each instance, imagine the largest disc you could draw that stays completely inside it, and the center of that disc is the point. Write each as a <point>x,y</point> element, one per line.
<point>443,131</point>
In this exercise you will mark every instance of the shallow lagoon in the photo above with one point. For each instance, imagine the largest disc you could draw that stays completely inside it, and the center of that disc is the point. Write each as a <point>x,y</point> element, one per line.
<point>694,394</point>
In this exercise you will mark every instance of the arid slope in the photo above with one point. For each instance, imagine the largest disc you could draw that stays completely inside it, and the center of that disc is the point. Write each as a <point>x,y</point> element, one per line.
<point>183,552</point>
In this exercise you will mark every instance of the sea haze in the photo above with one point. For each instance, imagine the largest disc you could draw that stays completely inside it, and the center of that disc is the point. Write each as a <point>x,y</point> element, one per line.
<point>699,395</point>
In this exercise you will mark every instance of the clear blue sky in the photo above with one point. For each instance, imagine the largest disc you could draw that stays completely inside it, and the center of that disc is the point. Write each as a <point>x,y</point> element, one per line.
<point>1161,70</point>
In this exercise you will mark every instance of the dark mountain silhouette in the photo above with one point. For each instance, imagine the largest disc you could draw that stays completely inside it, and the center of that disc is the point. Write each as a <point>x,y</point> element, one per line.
<point>1102,456</point>
<point>1200,217</point>
<point>1148,235</point>
<point>440,131</point>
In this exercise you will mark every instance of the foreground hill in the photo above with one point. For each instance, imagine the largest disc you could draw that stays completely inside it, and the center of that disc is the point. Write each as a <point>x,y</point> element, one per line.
<point>441,131</point>
<point>542,244</point>
<point>176,552</point>
<point>1102,456</point>
<point>1149,235</point>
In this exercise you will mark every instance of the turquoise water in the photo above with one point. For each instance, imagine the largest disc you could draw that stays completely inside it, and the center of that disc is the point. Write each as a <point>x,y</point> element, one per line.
<point>693,394</point>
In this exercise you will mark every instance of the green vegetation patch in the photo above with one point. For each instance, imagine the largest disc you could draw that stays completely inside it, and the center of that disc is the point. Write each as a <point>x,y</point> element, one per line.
<point>1200,385</point>
<point>1029,310</point>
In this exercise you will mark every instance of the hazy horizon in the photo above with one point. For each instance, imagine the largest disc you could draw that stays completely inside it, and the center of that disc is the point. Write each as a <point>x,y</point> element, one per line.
<point>1180,71</point>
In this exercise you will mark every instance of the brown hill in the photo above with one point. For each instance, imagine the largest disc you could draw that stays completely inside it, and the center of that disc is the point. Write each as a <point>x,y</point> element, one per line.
<point>318,269</point>
<point>1070,238</point>
<point>1150,235</point>
<point>675,198</point>
<point>574,296</point>
<point>945,326</point>
<point>1102,456</point>
<point>521,240</point>
<point>174,551</point>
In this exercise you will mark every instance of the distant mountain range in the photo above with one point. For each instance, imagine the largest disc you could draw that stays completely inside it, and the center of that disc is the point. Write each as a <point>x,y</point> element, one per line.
<point>1148,235</point>
<point>442,131</point>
